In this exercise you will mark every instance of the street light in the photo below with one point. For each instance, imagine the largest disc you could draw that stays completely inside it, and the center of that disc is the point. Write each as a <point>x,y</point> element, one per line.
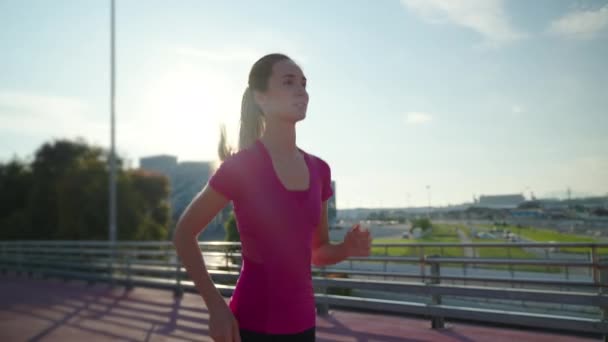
<point>112,213</point>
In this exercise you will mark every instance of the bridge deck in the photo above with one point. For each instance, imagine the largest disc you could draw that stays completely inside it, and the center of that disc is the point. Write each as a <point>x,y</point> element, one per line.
<point>53,310</point>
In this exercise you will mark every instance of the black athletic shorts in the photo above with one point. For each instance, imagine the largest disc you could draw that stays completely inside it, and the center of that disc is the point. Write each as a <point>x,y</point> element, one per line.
<point>252,336</point>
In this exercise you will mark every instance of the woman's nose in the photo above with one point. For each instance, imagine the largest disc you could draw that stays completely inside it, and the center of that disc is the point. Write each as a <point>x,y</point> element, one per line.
<point>302,91</point>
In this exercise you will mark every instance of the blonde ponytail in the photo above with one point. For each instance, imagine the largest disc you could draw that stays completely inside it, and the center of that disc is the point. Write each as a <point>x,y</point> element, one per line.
<point>252,121</point>
<point>223,150</point>
<point>252,126</point>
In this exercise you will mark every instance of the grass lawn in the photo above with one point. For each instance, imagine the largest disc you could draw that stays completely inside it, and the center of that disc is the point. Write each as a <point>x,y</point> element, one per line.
<point>510,252</point>
<point>440,233</point>
<point>446,233</point>
<point>546,235</point>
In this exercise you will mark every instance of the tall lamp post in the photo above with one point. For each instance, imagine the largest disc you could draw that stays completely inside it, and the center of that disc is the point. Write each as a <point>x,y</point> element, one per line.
<point>112,213</point>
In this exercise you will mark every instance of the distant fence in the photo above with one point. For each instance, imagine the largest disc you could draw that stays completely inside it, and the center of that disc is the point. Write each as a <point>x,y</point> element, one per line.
<point>155,264</point>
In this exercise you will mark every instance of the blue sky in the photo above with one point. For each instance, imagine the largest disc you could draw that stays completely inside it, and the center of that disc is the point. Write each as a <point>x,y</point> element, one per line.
<point>470,97</point>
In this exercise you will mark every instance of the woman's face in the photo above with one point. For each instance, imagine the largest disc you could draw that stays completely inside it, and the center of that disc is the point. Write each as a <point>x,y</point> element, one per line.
<point>286,98</point>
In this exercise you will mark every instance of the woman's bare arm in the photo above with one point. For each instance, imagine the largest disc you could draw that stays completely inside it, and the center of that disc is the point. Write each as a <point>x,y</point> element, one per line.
<point>323,251</point>
<point>195,218</point>
<point>356,243</point>
<point>223,326</point>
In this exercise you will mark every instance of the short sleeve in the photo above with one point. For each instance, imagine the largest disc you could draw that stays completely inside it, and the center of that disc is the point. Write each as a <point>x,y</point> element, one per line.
<point>225,179</point>
<point>326,190</point>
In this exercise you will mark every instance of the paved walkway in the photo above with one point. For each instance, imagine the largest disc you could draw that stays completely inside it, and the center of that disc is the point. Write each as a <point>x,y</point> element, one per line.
<point>468,251</point>
<point>53,310</point>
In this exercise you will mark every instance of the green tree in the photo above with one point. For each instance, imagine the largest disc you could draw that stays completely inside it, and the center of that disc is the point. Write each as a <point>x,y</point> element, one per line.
<point>63,194</point>
<point>232,235</point>
<point>53,165</point>
<point>232,232</point>
<point>422,223</point>
<point>81,204</point>
<point>152,192</point>
<point>15,185</point>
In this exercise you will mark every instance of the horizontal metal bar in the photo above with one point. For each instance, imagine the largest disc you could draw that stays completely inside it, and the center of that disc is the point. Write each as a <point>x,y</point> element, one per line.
<point>80,259</point>
<point>76,274</point>
<point>575,298</point>
<point>71,250</point>
<point>58,265</point>
<point>85,250</point>
<point>39,253</point>
<point>365,273</point>
<point>166,269</point>
<point>548,296</point>
<point>58,242</point>
<point>509,280</point>
<point>107,243</point>
<point>417,275</point>
<point>497,316</point>
<point>489,261</point>
<point>496,261</point>
<point>545,321</point>
<point>386,259</point>
<point>496,244</point>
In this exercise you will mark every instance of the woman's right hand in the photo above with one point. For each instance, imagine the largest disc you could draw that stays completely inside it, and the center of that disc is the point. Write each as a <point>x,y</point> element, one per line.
<point>223,326</point>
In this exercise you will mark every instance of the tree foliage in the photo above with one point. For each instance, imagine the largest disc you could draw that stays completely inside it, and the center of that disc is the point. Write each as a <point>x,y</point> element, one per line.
<point>232,232</point>
<point>63,194</point>
<point>422,223</point>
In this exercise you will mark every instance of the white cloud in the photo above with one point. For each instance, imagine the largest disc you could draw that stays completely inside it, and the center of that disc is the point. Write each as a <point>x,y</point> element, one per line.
<point>43,114</point>
<point>581,24</point>
<point>486,17</point>
<point>47,116</point>
<point>415,118</point>
<point>26,105</point>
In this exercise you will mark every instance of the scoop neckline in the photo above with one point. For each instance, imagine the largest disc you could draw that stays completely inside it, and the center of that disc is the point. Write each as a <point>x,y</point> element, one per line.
<point>276,176</point>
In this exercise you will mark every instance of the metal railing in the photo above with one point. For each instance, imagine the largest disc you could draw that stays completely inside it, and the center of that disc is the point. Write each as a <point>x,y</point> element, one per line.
<point>442,290</point>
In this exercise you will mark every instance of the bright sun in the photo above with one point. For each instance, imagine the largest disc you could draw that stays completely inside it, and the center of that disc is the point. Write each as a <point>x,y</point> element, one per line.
<point>188,104</point>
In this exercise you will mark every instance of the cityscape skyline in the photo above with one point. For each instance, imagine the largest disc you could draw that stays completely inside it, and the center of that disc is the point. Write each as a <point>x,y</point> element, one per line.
<point>162,160</point>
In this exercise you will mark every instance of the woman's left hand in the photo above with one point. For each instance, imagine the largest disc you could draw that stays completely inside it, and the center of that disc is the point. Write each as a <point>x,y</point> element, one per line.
<point>358,242</point>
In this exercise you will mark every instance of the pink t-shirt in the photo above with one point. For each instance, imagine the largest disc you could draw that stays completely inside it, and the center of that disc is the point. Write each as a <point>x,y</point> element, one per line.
<point>274,293</point>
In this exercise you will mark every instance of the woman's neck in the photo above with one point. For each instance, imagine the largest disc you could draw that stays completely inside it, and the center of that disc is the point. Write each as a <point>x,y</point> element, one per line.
<point>280,139</point>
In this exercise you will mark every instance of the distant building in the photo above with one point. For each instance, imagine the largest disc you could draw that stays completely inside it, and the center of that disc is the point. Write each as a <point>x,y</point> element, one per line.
<point>500,201</point>
<point>164,164</point>
<point>186,179</point>
<point>527,213</point>
<point>331,205</point>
